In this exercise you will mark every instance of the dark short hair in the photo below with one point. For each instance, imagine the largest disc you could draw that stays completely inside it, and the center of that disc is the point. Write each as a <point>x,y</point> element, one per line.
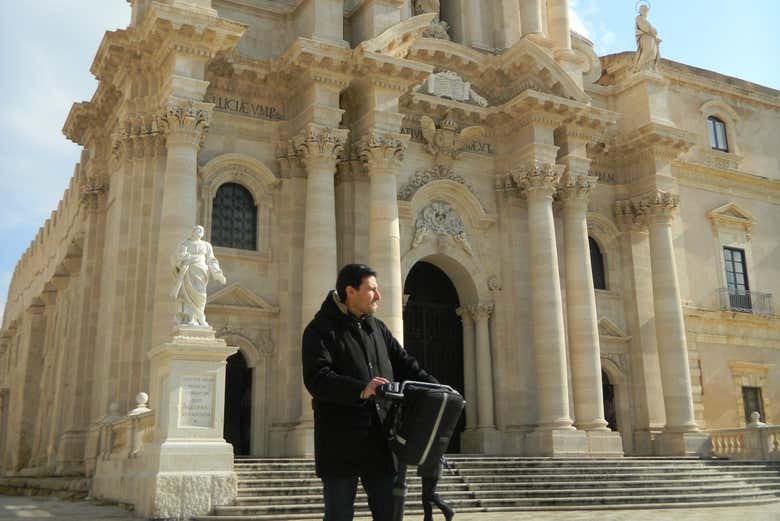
<point>352,275</point>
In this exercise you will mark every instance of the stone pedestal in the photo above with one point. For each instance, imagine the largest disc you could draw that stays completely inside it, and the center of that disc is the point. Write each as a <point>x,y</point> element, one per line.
<point>189,466</point>
<point>481,441</point>
<point>603,444</point>
<point>556,443</point>
<point>683,444</point>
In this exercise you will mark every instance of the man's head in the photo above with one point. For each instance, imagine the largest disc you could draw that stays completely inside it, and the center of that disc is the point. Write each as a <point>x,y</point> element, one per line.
<point>357,289</point>
<point>197,232</point>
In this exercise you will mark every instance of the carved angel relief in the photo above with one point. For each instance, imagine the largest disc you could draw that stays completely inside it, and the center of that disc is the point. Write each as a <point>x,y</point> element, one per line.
<point>446,142</point>
<point>439,218</point>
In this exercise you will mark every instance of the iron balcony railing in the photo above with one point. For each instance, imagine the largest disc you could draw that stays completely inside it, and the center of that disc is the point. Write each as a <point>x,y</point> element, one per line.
<point>746,301</point>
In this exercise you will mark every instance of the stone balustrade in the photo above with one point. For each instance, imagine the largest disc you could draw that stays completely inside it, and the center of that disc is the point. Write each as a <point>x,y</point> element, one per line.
<point>756,441</point>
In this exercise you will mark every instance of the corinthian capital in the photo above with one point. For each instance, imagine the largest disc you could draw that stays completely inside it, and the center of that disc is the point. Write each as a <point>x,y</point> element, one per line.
<point>379,150</point>
<point>576,190</point>
<point>658,207</point>
<point>317,142</point>
<point>186,120</point>
<point>480,312</point>
<point>538,179</point>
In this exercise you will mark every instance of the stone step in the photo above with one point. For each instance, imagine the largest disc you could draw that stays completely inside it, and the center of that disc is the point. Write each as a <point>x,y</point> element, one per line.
<point>648,476</point>
<point>618,483</point>
<point>292,509</point>
<point>317,489</point>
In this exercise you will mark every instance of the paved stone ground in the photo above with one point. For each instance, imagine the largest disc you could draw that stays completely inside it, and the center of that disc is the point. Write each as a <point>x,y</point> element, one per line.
<point>53,509</point>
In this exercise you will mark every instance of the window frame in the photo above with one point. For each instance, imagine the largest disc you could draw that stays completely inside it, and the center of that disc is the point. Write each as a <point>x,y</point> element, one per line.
<point>254,223</point>
<point>605,286</point>
<point>714,124</point>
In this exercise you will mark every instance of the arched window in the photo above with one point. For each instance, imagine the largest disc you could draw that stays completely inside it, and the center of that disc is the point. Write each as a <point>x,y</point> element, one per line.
<point>597,265</point>
<point>717,130</point>
<point>234,218</point>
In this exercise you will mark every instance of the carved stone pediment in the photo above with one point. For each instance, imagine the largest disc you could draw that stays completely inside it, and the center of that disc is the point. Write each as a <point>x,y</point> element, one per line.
<point>237,299</point>
<point>609,329</point>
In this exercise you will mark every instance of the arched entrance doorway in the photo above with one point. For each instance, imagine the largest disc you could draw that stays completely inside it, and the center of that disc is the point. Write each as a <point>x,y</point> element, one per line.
<point>238,404</point>
<point>610,406</point>
<point>433,332</point>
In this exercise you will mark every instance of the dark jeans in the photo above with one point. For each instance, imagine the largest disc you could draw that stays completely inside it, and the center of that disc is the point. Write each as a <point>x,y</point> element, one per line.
<point>340,496</point>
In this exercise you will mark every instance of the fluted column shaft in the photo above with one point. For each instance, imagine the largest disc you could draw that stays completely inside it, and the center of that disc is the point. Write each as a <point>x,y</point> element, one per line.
<point>469,367</point>
<point>669,322</point>
<point>318,148</point>
<point>481,314</point>
<point>581,309</point>
<point>382,154</point>
<point>539,182</point>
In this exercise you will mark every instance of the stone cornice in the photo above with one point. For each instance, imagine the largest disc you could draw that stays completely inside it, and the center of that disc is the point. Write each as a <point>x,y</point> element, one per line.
<point>397,40</point>
<point>726,181</point>
<point>661,141</point>
<point>80,118</point>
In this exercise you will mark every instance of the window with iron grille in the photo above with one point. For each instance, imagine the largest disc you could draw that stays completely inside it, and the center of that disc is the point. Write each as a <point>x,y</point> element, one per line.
<point>737,279</point>
<point>234,218</point>
<point>717,130</point>
<point>597,265</point>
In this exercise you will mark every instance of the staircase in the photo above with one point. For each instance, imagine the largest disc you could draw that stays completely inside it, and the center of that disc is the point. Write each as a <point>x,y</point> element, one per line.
<point>287,489</point>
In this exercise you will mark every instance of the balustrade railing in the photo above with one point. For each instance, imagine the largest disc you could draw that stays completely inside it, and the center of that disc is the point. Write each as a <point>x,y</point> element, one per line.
<point>746,301</point>
<point>756,441</point>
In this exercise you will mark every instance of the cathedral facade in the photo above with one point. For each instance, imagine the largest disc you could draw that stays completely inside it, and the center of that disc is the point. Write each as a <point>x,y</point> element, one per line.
<point>586,247</point>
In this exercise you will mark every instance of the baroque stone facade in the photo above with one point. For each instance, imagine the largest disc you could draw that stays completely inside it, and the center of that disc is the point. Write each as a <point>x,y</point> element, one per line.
<point>504,154</point>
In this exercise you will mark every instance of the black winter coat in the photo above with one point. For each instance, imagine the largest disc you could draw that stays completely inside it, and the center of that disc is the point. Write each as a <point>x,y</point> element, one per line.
<point>341,354</point>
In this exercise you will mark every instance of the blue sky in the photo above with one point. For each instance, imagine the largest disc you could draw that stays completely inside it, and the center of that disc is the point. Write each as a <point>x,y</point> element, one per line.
<point>46,51</point>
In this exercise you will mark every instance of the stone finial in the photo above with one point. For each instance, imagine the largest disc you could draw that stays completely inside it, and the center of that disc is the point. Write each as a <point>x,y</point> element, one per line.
<point>141,401</point>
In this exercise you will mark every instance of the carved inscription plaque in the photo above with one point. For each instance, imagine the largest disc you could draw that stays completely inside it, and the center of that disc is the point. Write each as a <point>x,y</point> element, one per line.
<point>197,401</point>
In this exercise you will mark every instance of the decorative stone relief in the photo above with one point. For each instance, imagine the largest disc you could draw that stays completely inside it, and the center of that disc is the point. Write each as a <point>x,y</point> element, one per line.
<point>480,312</point>
<point>441,219</point>
<point>446,142</point>
<point>423,176</point>
<point>619,359</point>
<point>494,283</point>
<point>637,211</point>
<point>448,84</point>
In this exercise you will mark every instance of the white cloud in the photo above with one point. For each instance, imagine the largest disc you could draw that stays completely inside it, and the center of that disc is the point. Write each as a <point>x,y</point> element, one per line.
<point>582,16</point>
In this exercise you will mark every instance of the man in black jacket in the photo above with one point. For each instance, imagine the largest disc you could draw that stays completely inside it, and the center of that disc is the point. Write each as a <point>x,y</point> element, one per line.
<point>347,354</point>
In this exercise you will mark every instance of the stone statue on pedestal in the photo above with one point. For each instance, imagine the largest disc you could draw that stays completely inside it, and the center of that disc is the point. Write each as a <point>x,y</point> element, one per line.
<point>193,263</point>
<point>438,28</point>
<point>647,43</point>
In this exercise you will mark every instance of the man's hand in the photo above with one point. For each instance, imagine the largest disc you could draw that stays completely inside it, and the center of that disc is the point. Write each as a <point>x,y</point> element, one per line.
<point>370,389</point>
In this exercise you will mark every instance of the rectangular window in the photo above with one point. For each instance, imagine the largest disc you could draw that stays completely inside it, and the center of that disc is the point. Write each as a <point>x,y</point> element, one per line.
<point>753,402</point>
<point>737,279</point>
<point>717,131</point>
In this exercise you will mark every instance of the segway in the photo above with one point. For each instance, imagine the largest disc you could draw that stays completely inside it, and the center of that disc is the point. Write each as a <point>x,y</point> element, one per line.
<point>420,420</point>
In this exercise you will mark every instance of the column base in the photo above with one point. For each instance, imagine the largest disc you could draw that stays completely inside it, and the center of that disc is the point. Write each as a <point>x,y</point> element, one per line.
<point>605,444</point>
<point>683,444</point>
<point>556,443</point>
<point>484,440</point>
<point>300,440</point>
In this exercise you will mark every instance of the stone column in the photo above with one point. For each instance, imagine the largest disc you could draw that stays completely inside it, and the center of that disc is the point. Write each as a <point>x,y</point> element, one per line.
<point>382,154</point>
<point>481,314</point>
<point>319,148</point>
<point>582,318</point>
<point>530,17</point>
<point>553,434</point>
<point>558,22</point>
<point>185,123</point>
<point>670,331</point>
<point>469,368</point>
<point>581,309</point>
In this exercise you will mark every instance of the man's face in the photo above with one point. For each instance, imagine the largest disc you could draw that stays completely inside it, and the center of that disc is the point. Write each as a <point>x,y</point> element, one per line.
<point>365,299</point>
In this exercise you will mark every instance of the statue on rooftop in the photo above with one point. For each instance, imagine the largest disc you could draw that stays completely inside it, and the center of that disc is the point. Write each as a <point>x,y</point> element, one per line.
<point>647,43</point>
<point>193,263</point>
<point>438,28</point>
